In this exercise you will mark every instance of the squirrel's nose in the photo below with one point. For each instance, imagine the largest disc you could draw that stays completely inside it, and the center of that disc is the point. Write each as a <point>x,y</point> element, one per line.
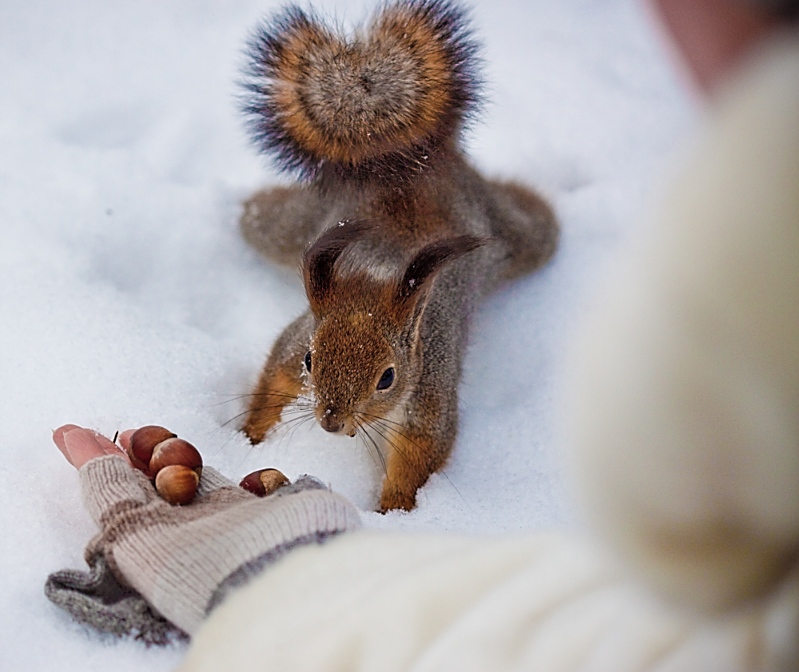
<point>331,422</point>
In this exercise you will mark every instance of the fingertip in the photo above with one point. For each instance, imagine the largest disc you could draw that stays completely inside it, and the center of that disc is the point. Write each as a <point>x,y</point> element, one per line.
<point>124,438</point>
<point>80,446</point>
<point>58,435</point>
<point>107,446</point>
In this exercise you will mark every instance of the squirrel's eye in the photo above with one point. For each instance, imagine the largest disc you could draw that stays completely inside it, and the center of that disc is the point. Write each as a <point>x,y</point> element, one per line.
<point>387,379</point>
<point>307,361</point>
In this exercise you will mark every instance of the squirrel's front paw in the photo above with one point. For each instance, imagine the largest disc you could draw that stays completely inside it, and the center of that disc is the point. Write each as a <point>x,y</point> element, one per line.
<point>394,499</point>
<point>257,427</point>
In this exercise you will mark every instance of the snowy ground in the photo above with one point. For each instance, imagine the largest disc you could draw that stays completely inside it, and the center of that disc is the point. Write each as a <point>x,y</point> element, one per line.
<point>128,297</point>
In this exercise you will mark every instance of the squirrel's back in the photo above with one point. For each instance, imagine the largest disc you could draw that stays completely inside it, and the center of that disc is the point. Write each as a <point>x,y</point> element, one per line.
<point>377,105</point>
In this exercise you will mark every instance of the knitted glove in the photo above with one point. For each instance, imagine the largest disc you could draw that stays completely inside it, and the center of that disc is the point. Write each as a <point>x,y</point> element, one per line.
<point>182,560</point>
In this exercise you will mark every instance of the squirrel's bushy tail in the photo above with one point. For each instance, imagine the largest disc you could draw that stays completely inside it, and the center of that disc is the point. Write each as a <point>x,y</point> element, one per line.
<point>378,103</point>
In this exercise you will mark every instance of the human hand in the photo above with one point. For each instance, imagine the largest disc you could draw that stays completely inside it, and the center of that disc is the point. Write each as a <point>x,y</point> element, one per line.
<point>79,445</point>
<point>173,463</point>
<point>181,560</point>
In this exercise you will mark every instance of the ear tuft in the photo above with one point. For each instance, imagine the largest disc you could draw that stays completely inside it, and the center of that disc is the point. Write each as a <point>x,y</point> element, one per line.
<point>320,258</point>
<point>430,260</point>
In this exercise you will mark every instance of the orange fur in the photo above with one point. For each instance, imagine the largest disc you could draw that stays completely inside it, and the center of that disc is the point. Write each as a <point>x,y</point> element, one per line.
<point>275,389</point>
<point>411,461</point>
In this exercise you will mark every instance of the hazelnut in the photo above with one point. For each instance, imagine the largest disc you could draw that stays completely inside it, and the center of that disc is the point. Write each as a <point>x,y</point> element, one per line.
<point>177,484</point>
<point>264,481</point>
<point>141,445</point>
<point>175,451</point>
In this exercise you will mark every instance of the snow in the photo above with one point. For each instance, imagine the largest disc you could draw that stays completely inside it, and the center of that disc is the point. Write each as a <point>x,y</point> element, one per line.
<point>129,298</point>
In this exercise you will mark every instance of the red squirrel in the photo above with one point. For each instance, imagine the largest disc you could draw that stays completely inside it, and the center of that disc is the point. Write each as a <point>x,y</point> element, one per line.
<point>398,236</point>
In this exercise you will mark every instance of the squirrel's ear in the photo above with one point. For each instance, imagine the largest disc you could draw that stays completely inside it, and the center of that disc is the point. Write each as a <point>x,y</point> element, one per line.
<point>320,258</point>
<point>427,263</point>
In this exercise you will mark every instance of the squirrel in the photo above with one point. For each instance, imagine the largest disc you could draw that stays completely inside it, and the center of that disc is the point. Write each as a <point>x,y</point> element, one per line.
<point>398,236</point>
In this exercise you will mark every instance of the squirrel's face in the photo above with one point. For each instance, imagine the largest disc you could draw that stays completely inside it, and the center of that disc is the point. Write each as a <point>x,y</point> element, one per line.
<point>364,358</point>
<point>359,369</point>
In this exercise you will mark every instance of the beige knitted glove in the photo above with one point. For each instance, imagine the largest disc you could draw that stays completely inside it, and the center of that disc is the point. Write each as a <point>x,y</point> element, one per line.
<point>182,560</point>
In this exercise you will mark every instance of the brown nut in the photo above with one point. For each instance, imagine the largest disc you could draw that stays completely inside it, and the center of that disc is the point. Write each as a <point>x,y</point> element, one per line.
<point>175,451</point>
<point>177,484</point>
<point>142,443</point>
<point>263,482</point>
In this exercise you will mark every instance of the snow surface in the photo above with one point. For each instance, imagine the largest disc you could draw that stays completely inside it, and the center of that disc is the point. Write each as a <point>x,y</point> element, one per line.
<point>128,296</point>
